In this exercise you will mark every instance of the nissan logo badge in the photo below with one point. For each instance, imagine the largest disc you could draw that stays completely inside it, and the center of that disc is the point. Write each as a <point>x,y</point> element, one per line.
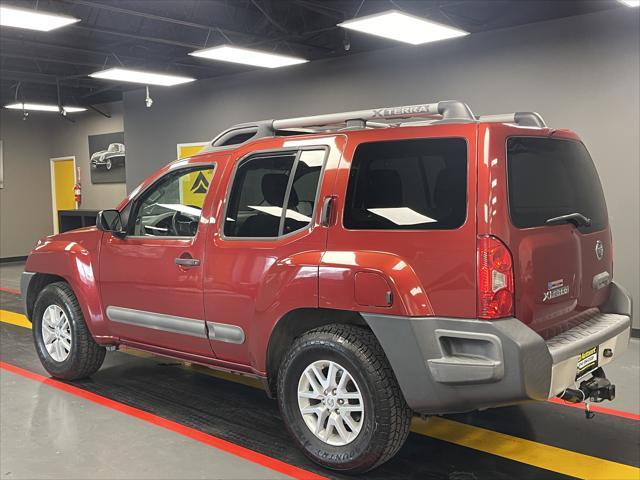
<point>599,250</point>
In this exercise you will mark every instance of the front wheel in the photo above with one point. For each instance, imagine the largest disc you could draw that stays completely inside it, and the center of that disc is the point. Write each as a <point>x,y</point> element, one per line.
<point>63,342</point>
<point>340,399</point>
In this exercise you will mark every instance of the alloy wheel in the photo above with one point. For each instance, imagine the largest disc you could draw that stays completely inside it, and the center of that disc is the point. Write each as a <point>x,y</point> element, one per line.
<point>56,333</point>
<point>330,402</point>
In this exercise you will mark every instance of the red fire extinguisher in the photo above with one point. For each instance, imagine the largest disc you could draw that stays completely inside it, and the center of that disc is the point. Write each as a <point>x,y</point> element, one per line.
<point>77,189</point>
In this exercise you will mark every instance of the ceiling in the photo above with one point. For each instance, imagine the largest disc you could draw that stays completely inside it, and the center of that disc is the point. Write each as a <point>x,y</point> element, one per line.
<point>158,35</point>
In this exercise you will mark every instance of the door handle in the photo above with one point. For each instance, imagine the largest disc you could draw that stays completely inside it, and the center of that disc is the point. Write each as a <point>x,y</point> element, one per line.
<point>187,262</point>
<point>327,207</point>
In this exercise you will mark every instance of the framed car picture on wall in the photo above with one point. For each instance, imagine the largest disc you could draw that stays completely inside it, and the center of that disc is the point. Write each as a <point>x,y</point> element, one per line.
<point>107,158</point>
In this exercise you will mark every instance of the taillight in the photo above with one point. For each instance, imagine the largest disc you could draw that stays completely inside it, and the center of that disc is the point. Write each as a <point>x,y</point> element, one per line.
<point>495,279</point>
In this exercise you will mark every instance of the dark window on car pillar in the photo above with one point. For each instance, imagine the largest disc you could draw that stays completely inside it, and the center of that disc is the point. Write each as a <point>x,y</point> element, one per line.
<point>418,184</point>
<point>264,184</point>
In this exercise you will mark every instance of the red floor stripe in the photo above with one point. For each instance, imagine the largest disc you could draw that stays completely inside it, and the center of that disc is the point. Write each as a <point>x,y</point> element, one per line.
<point>10,290</point>
<point>597,408</point>
<point>189,432</point>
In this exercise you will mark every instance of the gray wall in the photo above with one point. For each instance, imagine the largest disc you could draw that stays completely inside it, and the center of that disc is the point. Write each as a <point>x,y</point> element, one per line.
<point>579,72</point>
<point>25,200</point>
<point>71,139</point>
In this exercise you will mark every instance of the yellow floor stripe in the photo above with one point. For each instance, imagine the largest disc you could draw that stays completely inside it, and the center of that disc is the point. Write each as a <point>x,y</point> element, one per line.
<point>14,319</point>
<point>524,451</point>
<point>507,446</point>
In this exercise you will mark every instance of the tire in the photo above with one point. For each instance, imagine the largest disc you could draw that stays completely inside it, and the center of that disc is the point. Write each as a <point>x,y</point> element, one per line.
<point>108,164</point>
<point>377,432</point>
<point>75,354</point>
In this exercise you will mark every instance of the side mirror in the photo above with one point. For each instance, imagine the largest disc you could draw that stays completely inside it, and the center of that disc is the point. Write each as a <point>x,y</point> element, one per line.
<point>110,221</point>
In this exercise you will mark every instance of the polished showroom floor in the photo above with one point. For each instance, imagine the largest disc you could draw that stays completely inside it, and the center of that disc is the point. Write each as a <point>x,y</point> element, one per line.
<point>144,417</point>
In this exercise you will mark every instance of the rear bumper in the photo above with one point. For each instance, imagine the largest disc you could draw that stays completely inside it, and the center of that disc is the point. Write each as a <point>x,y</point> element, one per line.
<point>447,365</point>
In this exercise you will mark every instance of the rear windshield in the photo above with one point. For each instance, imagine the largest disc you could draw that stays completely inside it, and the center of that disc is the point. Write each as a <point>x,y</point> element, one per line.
<point>552,177</point>
<point>408,185</point>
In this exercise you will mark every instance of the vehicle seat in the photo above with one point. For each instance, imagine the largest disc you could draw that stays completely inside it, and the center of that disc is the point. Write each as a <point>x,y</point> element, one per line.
<point>383,189</point>
<point>274,186</point>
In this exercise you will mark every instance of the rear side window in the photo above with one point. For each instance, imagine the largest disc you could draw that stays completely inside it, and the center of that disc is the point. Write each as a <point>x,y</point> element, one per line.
<point>550,177</point>
<point>408,185</point>
<point>264,184</point>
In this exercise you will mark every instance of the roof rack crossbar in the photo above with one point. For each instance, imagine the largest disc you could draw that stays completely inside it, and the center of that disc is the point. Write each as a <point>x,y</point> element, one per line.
<point>525,119</point>
<point>448,109</point>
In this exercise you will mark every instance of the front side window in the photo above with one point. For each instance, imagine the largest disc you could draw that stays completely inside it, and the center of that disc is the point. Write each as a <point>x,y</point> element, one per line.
<point>418,184</point>
<point>172,206</point>
<point>264,184</point>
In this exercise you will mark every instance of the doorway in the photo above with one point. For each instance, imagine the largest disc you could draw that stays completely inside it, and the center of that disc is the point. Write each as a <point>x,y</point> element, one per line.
<point>63,179</point>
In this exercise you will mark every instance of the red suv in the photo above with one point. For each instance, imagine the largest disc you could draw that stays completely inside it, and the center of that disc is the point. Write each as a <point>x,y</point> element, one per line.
<point>365,265</point>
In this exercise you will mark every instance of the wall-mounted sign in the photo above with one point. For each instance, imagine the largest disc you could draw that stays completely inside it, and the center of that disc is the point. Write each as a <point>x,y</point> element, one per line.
<point>107,158</point>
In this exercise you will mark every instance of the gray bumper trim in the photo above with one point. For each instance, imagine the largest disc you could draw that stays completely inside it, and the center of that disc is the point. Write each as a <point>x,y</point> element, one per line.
<point>157,321</point>
<point>520,369</point>
<point>594,327</point>
<point>25,280</point>
<point>449,365</point>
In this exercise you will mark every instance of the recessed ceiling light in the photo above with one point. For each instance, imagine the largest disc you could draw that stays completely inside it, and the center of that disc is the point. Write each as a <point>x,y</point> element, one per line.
<point>631,3</point>
<point>228,53</point>
<point>43,108</point>
<point>33,19</point>
<point>402,27</point>
<point>139,76</point>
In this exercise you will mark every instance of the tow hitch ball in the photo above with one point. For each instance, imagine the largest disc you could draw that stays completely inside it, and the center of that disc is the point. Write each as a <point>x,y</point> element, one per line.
<point>596,389</point>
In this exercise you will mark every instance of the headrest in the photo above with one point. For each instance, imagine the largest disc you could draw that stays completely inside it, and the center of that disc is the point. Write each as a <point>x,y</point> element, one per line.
<point>274,186</point>
<point>384,189</point>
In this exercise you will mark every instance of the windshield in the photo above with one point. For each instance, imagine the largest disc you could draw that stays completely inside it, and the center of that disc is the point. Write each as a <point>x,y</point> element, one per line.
<point>549,178</point>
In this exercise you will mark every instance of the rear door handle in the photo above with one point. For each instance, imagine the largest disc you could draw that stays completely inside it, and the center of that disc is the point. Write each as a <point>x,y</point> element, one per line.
<point>327,207</point>
<point>187,262</point>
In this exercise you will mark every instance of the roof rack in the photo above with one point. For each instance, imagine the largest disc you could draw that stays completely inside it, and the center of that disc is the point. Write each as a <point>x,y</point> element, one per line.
<point>426,113</point>
<point>524,119</point>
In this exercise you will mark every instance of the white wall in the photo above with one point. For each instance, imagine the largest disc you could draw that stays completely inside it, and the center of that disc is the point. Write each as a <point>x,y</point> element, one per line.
<point>25,200</point>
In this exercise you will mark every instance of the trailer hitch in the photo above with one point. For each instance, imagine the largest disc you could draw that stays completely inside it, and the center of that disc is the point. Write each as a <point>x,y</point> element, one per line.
<point>595,389</point>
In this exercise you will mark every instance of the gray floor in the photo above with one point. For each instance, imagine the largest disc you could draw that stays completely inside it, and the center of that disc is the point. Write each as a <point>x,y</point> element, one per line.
<point>47,433</point>
<point>10,275</point>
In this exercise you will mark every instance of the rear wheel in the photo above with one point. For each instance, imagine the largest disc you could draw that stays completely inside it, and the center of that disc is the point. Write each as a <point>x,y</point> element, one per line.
<point>63,342</point>
<point>340,399</point>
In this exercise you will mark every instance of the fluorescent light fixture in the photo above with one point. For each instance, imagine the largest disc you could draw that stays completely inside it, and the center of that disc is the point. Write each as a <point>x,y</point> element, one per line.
<point>402,27</point>
<point>631,3</point>
<point>140,76</point>
<point>43,108</point>
<point>33,19</point>
<point>247,56</point>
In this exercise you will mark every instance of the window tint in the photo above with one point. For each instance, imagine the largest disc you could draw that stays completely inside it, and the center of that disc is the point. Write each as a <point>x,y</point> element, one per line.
<point>551,177</point>
<point>172,206</point>
<point>302,198</point>
<point>408,185</point>
<point>263,185</point>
